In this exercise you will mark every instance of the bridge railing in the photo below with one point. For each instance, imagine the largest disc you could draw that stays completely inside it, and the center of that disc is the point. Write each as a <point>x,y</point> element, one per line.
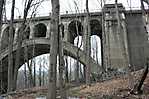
<point>80,11</point>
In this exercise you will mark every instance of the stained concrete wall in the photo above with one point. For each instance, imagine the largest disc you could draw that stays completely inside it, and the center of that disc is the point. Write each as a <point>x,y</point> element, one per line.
<point>137,39</point>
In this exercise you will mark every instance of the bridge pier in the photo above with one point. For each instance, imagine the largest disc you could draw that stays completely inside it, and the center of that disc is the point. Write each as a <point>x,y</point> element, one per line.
<point>115,45</point>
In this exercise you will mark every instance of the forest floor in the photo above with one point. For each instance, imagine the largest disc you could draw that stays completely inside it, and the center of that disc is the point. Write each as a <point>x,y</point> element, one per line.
<point>112,89</point>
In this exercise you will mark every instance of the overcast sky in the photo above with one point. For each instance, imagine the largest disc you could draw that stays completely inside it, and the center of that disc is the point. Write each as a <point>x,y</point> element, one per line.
<point>68,5</point>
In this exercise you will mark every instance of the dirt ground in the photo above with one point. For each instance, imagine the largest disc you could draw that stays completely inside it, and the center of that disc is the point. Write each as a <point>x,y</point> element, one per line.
<point>113,89</point>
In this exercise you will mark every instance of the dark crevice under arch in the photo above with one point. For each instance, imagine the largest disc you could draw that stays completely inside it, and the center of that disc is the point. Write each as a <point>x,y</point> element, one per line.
<point>40,30</point>
<point>74,27</point>
<point>96,28</point>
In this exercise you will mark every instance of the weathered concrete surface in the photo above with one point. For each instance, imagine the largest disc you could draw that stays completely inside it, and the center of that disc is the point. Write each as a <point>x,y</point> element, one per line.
<point>116,46</point>
<point>137,40</point>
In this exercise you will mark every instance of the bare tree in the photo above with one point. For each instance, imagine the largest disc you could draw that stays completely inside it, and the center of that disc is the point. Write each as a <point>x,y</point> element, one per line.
<point>22,33</point>
<point>1,12</point>
<point>53,49</point>
<point>34,72</point>
<point>70,75</point>
<point>30,76</point>
<point>138,85</point>
<point>1,16</point>
<point>11,86</point>
<point>40,80</point>
<point>79,47</point>
<point>25,75</point>
<point>67,74</point>
<point>87,45</point>
<point>19,38</point>
<point>96,51</point>
<point>43,77</point>
<point>61,65</point>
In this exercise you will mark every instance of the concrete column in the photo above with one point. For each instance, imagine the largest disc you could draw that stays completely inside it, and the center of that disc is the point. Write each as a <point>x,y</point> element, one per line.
<point>125,36</point>
<point>16,32</point>
<point>115,45</point>
<point>106,43</point>
<point>66,32</point>
<point>31,31</point>
<point>48,33</point>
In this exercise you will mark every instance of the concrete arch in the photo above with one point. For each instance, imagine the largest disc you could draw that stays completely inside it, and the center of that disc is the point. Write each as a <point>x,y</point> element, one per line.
<point>5,37</point>
<point>74,27</point>
<point>40,30</point>
<point>42,46</point>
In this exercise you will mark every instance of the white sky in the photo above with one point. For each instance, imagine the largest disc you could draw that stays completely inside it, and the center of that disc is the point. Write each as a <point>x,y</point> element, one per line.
<point>68,5</point>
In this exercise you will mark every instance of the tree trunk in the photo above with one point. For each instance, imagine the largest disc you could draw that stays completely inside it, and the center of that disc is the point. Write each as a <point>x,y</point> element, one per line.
<point>70,75</point>
<point>43,78</point>
<point>11,86</point>
<point>34,73</point>
<point>25,76</point>
<point>142,79</point>
<point>34,64</point>
<point>61,66</point>
<point>77,71</point>
<point>96,53</point>
<point>1,16</point>
<point>87,46</point>
<point>84,73</point>
<point>77,62</point>
<point>67,76</point>
<point>53,49</point>
<point>1,13</point>
<point>138,85</point>
<point>40,80</point>
<point>81,72</point>
<point>19,40</point>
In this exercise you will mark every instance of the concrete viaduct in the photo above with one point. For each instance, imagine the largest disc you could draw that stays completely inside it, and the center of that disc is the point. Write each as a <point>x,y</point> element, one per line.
<point>130,46</point>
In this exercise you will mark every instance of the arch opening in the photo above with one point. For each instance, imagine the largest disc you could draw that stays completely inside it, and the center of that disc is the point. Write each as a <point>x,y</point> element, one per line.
<point>96,41</point>
<point>96,51</point>
<point>39,73</point>
<point>40,30</point>
<point>96,27</point>
<point>75,28</point>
